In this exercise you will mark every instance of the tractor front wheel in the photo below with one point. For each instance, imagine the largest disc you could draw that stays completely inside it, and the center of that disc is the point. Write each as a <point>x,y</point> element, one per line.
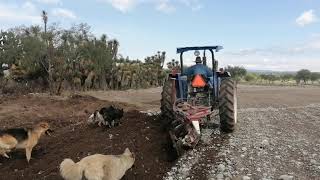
<point>227,105</point>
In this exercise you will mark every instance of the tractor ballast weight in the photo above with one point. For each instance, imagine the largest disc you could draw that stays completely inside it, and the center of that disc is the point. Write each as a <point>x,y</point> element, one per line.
<point>187,108</point>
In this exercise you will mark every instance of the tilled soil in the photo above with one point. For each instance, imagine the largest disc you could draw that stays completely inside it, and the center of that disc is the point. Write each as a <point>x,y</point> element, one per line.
<point>73,138</point>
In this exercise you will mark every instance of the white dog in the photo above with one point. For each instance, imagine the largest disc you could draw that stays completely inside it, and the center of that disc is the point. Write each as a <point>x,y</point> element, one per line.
<point>107,116</point>
<point>96,117</point>
<point>98,167</point>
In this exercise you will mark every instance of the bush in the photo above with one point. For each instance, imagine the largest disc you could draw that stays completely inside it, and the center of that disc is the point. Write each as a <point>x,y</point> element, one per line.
<point>250,77</point>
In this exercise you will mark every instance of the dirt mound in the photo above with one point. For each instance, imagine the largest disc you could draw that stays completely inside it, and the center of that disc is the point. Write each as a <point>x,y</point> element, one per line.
<point>82,97</point>
<point>73,138</point>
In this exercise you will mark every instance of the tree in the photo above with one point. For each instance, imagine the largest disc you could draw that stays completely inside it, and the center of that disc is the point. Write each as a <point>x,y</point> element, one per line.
<point>270,78</point>
<point>34,53</point>
<point>237,72</point>
<point>286,77</point>
<point>304,75</point>
<point>58,55</point>
<point>48,56</point>
<point>11,51</point>
<point>314,76</point>
<point>250,77</point>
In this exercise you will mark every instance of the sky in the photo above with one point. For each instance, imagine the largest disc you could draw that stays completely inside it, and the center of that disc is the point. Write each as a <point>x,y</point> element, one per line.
<point>279,35</point>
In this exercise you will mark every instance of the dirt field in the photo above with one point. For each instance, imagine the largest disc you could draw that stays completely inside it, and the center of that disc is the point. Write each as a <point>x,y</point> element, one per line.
<point>278,134</point>
<point>74,139</point>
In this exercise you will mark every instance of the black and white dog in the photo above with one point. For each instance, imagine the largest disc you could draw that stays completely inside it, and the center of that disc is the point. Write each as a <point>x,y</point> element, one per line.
<point>108,116</point>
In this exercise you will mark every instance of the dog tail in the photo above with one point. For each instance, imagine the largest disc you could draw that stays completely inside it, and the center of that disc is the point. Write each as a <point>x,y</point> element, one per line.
<point>70,170</point>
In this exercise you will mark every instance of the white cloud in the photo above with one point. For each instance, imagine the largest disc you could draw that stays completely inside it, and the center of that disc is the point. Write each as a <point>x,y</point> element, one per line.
<point>195,5</point>
<point>20,14</point>
<point>165,6</point>
<point>307,17</point>
<point>64,13</point>
<point>314,43</point>
<point>297,56</point>
<point>122,5</point>
<point>28,6</point>
<point>49,1</point>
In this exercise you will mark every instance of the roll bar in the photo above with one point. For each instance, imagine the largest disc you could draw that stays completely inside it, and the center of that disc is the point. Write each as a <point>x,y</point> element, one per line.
<point>210,48</point>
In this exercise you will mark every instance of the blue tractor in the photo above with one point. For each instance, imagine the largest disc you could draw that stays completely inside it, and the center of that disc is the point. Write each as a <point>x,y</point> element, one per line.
<point>192,96</point>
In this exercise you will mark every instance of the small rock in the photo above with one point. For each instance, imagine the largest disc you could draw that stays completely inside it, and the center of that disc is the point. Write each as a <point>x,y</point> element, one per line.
<point>244,149</point>
<point>258,169</point>
<point>219,176</point>
<point>227,174</point>
<point>246,178</point>
<point>170,178</point>
<point>265,143</point>
<point>298,164</point>
<point>314,155</point>
<point>221,167</point>
<point>285,177</point>
<point>312,161</point>
<point>304,152</point>
<point>185,170</point>
<point>228,161</point>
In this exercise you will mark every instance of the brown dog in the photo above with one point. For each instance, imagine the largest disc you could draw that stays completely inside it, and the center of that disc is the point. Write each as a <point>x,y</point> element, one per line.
<point>22,138</point>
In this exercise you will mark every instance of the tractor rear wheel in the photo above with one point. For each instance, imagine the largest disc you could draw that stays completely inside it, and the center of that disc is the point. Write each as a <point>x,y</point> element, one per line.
<point>167,101</point>
<point>228,105</point>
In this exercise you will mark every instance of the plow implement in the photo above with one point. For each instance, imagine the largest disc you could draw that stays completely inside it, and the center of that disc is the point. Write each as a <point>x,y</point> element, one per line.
<point>185,130</point>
